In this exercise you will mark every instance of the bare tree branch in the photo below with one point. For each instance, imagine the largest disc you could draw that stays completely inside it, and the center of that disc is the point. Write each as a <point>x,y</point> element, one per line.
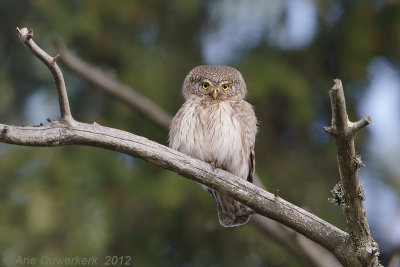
<point>301,247</point>
<point>50,62</point>
<point>343,131</point>
<point>58,133</point>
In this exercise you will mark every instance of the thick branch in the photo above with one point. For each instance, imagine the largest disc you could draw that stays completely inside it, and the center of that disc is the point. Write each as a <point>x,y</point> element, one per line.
<point>108,84</point>
<point>349,163</point>
<point>301,247</point>
<point>50,62</point>
<point>58,134</point>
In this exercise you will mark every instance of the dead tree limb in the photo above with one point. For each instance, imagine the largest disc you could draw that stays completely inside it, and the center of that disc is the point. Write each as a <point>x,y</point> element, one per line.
<point>343,131</point>
<point>308,252</point>
<point>51,64</point>
<point>58,133</point>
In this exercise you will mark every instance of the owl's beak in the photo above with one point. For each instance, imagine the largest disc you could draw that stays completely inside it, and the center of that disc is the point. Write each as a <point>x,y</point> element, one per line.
<point>214,93</point>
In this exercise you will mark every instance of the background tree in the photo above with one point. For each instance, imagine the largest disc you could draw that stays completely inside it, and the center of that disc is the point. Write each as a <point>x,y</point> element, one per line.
<point>90,201</point>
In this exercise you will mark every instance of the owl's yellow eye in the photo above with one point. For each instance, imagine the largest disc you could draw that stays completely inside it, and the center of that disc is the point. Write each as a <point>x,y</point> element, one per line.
<point>205,86</point>
<point>225,87</point>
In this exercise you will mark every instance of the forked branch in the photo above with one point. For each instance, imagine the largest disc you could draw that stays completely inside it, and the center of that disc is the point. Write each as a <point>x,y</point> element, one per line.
<point>343,131</point>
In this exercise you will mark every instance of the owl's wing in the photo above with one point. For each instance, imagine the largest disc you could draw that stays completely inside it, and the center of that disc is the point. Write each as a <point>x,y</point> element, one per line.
<point>252,164</point>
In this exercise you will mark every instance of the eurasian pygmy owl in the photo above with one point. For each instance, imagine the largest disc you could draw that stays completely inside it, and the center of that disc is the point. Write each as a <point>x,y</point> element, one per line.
<point>216,125</point>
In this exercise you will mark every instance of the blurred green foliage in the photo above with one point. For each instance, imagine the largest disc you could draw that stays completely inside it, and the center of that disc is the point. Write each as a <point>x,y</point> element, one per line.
<point>85,201</point>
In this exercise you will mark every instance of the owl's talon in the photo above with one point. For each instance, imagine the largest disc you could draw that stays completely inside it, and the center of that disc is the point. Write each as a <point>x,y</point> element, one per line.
<point>215,164</point>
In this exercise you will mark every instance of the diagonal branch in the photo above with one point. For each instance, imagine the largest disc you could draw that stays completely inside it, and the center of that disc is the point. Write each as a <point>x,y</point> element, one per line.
<point>300,246</point>
<point>59,134</point>
<point>343,131</point>
<point>50,62</point>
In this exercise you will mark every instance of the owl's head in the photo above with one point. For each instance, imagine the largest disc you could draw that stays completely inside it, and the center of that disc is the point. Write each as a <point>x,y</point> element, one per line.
<point>216,82</point>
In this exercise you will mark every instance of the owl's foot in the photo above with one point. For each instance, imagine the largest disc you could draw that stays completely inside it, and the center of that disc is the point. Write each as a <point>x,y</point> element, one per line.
<point>215,164</point>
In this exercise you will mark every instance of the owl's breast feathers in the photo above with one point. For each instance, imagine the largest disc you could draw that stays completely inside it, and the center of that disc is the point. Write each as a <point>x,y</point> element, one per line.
<point>221,131</point>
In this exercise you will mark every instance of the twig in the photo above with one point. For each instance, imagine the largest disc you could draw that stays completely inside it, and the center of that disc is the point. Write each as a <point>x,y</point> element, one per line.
<point>313,254</point>
<point>108,84</point>
<point>343,131</point>
<point>26,37</point>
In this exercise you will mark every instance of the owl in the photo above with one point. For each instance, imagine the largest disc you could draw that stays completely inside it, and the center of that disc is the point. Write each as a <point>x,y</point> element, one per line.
<point>216,125</point>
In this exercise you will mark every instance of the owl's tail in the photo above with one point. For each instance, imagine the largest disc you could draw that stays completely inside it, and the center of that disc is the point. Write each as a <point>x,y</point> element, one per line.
<point>230,212</point>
